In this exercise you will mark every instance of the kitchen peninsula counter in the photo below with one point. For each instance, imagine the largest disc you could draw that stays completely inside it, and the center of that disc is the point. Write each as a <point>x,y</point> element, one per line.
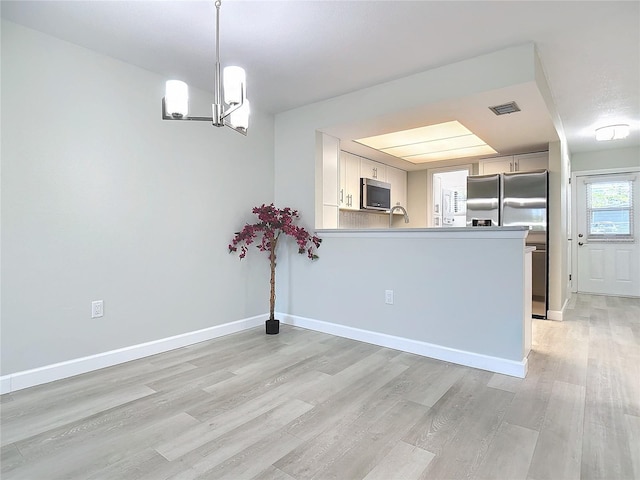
<point>461,295</point>
<point>450,232</point>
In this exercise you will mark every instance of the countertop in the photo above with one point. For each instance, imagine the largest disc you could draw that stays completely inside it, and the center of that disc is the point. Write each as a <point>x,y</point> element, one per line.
<point>453,232</point>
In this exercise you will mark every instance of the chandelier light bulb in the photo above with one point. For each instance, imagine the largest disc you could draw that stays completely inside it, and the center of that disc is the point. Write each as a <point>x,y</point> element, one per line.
<point>240,117</point>
<point>177,98</point>
<point>234,82</point>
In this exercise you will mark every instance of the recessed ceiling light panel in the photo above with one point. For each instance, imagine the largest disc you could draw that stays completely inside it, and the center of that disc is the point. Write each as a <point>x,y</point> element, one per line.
<point>430,143</point>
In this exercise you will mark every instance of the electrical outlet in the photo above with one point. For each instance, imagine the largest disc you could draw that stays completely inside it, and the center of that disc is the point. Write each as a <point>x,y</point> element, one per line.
<point>388,297</point>
<point>97,309</point>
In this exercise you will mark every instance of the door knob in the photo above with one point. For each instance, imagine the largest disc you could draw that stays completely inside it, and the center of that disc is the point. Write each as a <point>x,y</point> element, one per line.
<point>580,243</point>
<point>580,235</point>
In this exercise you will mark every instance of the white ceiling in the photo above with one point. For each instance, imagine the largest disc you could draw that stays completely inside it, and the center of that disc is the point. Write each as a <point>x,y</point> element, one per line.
<point>297,52</point>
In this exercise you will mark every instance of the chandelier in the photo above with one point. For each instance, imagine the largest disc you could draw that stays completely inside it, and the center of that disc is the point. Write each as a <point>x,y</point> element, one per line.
<point>230,105</point>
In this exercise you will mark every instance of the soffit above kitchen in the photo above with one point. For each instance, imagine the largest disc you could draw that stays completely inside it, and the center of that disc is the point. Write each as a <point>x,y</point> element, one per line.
<point>529,130</point>
<point>299,52</point>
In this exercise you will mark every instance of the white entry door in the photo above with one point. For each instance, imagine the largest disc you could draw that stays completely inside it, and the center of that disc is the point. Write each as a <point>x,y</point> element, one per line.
<point>608,231</point>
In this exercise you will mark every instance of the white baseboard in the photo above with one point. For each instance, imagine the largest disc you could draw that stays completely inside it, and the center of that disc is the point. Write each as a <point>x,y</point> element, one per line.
<point>557,315</point>
<point>49,373</point>
<point>439,352</point>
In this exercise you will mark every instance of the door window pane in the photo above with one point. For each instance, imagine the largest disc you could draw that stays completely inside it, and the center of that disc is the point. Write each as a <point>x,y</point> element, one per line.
<point>610,210</point>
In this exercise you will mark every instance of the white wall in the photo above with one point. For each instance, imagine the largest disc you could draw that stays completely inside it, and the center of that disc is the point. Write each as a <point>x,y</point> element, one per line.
<point>458,290</point>
<point>557,249</point>
<point>101,199</point>
<point>559,228</point>
<point>417,199</point>
<point>602,160</point>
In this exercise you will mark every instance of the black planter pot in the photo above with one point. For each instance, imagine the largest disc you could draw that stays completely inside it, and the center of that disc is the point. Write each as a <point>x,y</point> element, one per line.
<point>273,327</point>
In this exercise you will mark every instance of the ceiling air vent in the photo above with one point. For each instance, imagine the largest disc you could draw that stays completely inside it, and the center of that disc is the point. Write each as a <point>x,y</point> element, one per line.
<point>505,108</point>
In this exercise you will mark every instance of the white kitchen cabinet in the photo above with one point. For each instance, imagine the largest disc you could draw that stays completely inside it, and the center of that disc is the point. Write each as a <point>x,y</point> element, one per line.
<point>330,162</point>
<point>398,180</point>
<point>531,161</point>
<point>330,166</point>
<point>353,167</point>
<point>371,169</point>
<point>349,193</point>
<point>496,165</point>
<point>516,163</point>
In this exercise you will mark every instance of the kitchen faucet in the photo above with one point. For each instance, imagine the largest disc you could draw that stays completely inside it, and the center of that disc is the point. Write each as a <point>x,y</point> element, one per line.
<point>398,207</point>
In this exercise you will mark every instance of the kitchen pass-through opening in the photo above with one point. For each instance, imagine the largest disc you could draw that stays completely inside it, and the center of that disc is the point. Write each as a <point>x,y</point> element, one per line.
<point>448,196</point>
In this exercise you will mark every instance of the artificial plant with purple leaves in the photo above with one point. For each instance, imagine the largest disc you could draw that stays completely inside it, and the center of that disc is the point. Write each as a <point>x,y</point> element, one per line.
<point>271,225</point>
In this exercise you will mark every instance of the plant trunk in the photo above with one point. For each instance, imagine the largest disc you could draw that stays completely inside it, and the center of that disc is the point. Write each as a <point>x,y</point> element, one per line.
<point>272,299</point>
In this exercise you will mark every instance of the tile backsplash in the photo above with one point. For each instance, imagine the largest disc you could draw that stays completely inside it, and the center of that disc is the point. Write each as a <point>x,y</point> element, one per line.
<point>354,219</point>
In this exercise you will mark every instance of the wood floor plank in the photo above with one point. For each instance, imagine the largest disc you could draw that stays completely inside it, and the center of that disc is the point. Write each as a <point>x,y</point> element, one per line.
<point>333,424</point>
<point>89,459</point>
<point>209,456</point>
<point>235,391</point>
<point>558,451</point>
<point>481,418</point>
<point>366,367</point>
<point>112,424</point>
<point>605,449</point>
<point>434,430</point>
<point>272,473</point>
<point>356,399</point>
<point>10,458</point>
<point>256,458</point>
<point>509,455</point>
<point>633,438</point>
<point>196,377</point>
<point>214,427</point>
<point>130,467</point>
<point>361,448</point>
<point>436,378</point>
<point>505,382</point>
<point>21,427</point>
<point>531,399</point>
<point>88,385</point>
<point>344,355</point>
<point>571,353</point>
<point>404,461</point>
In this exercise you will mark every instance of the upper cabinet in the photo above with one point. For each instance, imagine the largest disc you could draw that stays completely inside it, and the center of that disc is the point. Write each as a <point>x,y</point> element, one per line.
<point>371,169</point>
<point>330,166</point>
<point>531,161</point>
<point>496,165</point>
<point>516,163</point>
<point>353,167</point>
<point>398,180</point>
<point>349,192</point>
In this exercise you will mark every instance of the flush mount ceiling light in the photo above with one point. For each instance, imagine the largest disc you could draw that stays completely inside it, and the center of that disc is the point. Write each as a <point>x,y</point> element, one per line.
<point>431,143</point>
<point>230,105</point>
<point>612,132</point>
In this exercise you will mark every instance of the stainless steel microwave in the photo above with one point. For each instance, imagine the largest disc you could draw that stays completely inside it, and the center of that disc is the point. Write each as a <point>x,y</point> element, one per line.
<point>374,194</point>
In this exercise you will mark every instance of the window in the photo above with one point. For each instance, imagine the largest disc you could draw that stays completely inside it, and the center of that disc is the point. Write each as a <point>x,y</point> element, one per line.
<point>610,210</point>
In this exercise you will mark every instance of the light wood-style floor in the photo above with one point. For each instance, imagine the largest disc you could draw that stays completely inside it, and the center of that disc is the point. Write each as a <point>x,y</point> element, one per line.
<point>308,405</point>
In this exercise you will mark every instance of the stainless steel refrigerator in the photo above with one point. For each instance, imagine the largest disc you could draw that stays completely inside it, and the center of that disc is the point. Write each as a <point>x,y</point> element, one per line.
<point>516,199</point>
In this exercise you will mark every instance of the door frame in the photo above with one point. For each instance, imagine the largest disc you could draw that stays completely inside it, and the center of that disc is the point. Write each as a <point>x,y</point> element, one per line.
<point>430,173</point>
<point>574,214</point>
